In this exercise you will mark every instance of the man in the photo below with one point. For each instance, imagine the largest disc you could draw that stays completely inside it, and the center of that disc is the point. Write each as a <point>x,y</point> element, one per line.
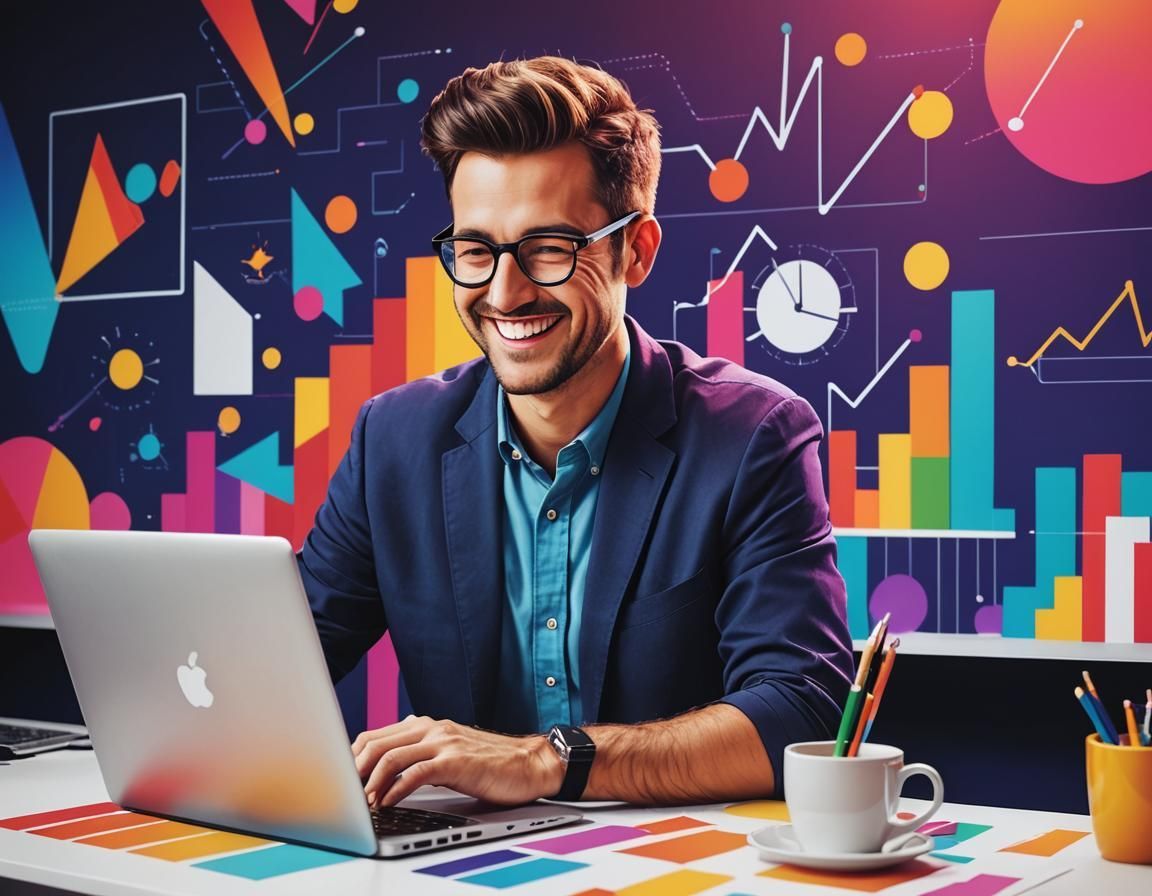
<point>586,527</point>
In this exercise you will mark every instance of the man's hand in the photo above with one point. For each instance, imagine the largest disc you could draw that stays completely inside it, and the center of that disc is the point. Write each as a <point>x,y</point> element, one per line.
<point>393,761</point>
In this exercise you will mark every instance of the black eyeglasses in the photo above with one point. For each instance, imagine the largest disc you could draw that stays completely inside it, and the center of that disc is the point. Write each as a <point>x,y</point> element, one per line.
<point>547,259</point>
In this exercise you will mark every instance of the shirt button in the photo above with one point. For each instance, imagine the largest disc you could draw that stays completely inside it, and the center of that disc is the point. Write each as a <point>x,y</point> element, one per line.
<point>516,455</point>
<point>551,623</point>
<point>550,681</point>
<point>595,471</point>
<point>551,514</point>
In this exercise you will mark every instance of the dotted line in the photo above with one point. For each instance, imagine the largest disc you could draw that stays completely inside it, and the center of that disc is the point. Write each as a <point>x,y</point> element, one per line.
<point>982,136</point>
<point>227,77</point>
<point>966,46</point>
<point>242,176</point>
<point>971,62</point>
<point>666,65</point>
<point>410,55</point>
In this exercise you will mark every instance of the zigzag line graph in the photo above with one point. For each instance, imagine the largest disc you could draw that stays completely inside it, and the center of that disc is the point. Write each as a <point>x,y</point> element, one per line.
<point>780,134</point>
<point>854,403</point>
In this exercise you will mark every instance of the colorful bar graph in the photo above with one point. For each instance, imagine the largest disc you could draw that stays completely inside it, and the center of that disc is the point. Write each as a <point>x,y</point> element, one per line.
<point>1121,535</point>
<point>726,317</point>
<point>1142,584</point>
<point>928,411</point>
<point>930,485</point>
<point>895,481</point>
<point>842,477</point>
<point>1064,622</point>
<point>972,414</point>
<point>867,508</point>
<point>1055,534</point>
<point>1102,477</point>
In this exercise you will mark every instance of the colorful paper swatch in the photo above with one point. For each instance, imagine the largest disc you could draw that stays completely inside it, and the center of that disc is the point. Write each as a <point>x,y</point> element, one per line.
<point>692,847</point>
<point>980,885</point>
<point>1047,844</point>
<point>200,847</point>
<point>671,825</point>
<point>471,863</point>
<point>522,873</point>
<point>72,829</point>
<point>24,822</point>
<point>148,833</point>
<point>603,835</point>
<point>772,810</point>
<point>862,881</point>
<point>284,858</point>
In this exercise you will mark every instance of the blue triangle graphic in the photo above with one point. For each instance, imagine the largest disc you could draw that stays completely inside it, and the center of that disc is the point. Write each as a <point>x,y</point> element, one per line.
<point>259,466</point>
<point>27,287</point>
<point>317,262</point>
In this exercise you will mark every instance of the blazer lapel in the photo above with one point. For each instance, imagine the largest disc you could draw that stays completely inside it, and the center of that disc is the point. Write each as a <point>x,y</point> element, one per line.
<point>636,468</point>
<point>473,502</point>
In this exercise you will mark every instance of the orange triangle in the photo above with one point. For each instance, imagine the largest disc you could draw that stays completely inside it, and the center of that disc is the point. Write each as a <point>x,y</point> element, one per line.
<point>105,218</point>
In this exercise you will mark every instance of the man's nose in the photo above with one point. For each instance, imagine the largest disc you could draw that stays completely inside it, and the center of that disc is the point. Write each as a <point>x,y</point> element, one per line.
<point>510,288</point>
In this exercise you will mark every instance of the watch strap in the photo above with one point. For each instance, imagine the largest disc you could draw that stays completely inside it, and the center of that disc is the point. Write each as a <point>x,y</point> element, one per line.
<point>581,751</point>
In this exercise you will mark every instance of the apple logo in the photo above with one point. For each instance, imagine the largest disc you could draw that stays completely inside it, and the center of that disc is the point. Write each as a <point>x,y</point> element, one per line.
<point>191,678</point>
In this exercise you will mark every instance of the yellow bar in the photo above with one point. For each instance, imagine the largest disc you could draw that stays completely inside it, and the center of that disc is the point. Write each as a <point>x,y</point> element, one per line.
<point>452,345</point>
<point>1064,621</point>
<point>149,833</point>
<point>678,883</point>
<point>896,481</point>
<point>311,408</point>
<point>928,410</point>
<point>199,847</point>
<point>420,322</point>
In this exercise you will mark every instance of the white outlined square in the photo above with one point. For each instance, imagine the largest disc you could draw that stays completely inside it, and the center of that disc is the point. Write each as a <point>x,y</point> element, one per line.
<point>183,162</point>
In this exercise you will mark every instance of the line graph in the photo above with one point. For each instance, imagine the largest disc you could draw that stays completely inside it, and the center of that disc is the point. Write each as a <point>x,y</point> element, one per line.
<point>1017,123</point>
<point>729,177</point>
<point>854,403</point>
<point>1105,367</point>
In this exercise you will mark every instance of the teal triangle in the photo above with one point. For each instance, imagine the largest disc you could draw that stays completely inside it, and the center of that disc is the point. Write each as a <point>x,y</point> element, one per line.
<point>27,287</point>
<point>317,262</point>
<point>259,466</point>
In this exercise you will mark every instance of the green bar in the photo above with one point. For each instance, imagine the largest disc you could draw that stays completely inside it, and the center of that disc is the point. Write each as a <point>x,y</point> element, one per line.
<point>930,489</point>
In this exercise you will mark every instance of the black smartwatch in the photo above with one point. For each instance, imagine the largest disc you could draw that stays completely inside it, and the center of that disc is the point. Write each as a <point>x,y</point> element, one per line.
<point>577,751</point>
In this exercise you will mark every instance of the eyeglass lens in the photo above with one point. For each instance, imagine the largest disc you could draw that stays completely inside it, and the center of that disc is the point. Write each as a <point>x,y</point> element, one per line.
<point>545,259</point>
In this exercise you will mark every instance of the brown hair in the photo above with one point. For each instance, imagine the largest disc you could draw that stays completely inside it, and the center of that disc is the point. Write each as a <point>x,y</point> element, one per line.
<point>529,105</point>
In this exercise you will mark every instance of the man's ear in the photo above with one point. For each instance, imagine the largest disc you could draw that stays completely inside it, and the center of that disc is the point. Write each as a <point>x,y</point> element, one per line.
<point>640,250</point>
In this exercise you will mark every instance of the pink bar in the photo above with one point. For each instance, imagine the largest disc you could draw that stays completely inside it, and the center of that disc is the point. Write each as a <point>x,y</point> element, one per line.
<point>980,885</point>
<point>383,684</point>
<point>938,828</point>
<point>200,509</point>
<point>726,317</point>
<point>172,513</point>
<point>251,510</point>
<point>598,836</point>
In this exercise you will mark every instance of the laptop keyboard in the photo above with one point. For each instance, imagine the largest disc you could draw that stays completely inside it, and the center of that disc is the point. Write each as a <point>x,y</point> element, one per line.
<point>392,820</point>
<point>23,735</point>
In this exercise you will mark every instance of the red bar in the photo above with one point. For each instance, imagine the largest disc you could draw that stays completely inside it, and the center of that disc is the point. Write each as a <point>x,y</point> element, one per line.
<point>1101,499</point>
<point>23,822</point>
<point>82,826</point>
<point>349,386</point>
<point>389,341</point>
<point>1143,610</point>
<point>726,318</point>
<point>279,519</point>
<point>310,470</point>
<point>842,477</point>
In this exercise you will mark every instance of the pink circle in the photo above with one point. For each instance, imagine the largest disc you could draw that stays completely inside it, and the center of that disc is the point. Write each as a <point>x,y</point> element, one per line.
<point>915,335</point>
<point>94,423</point>
<point>309,303</point>
<point>904,598</point>
<point>990,620</point>
<point>110,512</point>
<point>255,131</point>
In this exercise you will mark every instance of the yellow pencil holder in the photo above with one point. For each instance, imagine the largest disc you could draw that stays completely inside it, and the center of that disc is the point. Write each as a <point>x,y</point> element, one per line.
<point>1120,799</point>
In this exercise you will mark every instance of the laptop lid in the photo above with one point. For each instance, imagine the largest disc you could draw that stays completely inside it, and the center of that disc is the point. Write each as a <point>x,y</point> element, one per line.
<point>201,678</point>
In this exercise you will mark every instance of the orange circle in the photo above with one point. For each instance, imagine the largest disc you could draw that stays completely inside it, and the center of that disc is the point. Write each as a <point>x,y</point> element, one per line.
<point>851,49</point>
<point>728,180</point>
<point>340,214</point>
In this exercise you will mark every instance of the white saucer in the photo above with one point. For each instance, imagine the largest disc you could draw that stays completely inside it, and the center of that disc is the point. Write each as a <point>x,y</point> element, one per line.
<point>777,843</point>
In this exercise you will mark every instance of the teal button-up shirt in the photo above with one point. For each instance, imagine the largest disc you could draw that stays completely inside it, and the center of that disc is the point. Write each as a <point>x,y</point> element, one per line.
<point>547,542</point>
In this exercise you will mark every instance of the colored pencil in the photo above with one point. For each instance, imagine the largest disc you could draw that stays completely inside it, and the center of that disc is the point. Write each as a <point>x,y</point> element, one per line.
<point>1100,710</point>
<point>870,651</point>
<point>1148,715</point>
<point>848,720</point>
<point>881,683</point>
<point>1130,719</point>
<point>865,712</point>
<point>1090,708</point>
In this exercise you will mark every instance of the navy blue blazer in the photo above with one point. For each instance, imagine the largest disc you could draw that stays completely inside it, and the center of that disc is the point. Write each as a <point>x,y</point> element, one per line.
<point>712,574</point>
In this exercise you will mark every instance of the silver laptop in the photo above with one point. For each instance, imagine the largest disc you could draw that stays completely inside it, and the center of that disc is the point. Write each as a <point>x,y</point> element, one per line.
<point>201,679</point>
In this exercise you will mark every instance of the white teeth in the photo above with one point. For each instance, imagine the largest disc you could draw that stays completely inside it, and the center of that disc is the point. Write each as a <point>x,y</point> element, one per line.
<point>519,329</point>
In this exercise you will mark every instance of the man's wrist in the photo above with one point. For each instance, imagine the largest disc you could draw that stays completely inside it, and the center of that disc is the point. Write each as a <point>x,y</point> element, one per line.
<point>552,767</point>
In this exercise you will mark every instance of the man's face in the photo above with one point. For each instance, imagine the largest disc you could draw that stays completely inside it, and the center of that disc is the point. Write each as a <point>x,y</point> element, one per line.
<point>503,199</point>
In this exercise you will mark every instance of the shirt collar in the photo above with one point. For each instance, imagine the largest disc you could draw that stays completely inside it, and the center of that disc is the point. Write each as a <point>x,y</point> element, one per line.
<point>594,437</point>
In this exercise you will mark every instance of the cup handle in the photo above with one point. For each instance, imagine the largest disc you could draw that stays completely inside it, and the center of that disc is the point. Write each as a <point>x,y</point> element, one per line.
<point>899,826</point>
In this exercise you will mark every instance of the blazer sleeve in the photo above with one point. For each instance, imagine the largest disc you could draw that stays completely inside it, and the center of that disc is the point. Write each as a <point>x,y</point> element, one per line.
<point>784,636</point>
<point>337,566</point>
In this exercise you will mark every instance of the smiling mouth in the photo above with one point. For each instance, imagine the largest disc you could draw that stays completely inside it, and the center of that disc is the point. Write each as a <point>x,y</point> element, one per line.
<point>524,329</point>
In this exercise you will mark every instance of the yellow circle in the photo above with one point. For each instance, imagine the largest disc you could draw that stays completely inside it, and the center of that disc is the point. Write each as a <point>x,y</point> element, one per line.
<point>228,421</point>
<point>304,123</point>
<point>851,49</point>
<point>126,369</point>
<point>930,115</point>
<point>271,358</point>
<point>926,265</point>
<point>345,5</point>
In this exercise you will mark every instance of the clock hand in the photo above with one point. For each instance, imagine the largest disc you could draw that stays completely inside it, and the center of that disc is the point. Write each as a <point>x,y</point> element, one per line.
<point>784,280</point>
<point>814,314</point>
<point>800,274</point>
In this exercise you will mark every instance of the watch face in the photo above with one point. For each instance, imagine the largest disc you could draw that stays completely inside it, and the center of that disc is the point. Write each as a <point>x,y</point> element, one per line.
<point>556,739</point>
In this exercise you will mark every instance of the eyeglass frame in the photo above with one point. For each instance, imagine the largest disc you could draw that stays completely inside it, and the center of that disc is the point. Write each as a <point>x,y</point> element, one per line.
<point>498,249</point>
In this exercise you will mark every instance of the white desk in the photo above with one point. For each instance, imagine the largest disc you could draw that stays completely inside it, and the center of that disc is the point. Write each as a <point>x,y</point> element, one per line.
<point>64,779</point>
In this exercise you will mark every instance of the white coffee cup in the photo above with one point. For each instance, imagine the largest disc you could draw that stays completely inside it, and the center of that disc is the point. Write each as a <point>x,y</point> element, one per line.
<point>841,804</point>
